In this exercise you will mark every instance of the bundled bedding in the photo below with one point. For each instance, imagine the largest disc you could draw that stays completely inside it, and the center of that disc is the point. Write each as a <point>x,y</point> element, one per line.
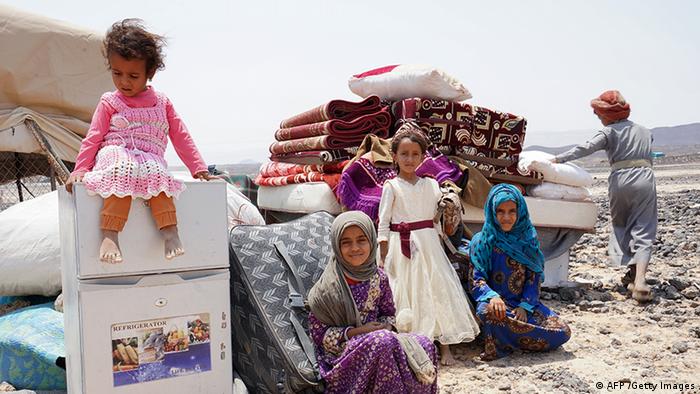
<point>562,181</point>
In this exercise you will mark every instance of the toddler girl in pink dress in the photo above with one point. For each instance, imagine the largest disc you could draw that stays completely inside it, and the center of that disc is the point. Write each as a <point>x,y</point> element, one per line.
<point>122,156</point>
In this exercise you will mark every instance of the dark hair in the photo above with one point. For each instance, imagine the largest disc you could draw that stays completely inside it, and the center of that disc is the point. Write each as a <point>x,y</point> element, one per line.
<point>413,132</point>
<point>129,39</point>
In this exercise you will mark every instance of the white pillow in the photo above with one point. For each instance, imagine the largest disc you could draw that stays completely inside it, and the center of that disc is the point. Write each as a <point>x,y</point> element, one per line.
<point>30,250</point>
<point>555,191</point>
<point>399,82</point>
<point>562,173</point>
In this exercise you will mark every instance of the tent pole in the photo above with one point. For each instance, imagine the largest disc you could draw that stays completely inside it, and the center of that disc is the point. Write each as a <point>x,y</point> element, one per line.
<point>52,177</point>
<point>60,169</point>
<point>19,176</point>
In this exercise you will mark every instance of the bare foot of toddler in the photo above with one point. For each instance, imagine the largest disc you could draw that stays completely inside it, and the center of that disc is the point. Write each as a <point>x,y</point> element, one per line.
<point>109,249</point>
<point>446,357</point>
<point>173,245</point>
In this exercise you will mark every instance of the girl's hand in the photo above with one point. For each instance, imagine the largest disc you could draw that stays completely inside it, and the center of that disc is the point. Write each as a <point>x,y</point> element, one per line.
<point>74,178</point>
<point>383,251</point>
<point>496,308</point>
<point>205,176</point>
<point>520,314</point>
<point>366,328</point>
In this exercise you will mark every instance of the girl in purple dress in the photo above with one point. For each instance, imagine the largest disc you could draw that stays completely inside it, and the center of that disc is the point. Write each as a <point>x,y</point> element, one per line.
<point>352,317</point>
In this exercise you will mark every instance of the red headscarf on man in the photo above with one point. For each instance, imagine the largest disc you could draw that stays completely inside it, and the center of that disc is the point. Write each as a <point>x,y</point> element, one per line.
<point>611,107</point>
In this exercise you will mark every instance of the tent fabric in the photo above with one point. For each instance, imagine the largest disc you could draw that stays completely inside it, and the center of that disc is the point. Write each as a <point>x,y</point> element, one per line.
<point>52,75</point>
<point>50,66</point>
<point>60,131</point>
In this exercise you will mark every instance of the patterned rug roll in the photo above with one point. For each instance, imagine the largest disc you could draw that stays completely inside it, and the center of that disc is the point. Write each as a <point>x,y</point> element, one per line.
<point>272,169</point>
<point>324,142</point>
<point>316,156</point>
<point>334,109</point>
<point>380,120</point>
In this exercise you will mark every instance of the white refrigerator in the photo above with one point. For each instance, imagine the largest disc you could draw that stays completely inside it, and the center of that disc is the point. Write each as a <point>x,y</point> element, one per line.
<point>147,325</point>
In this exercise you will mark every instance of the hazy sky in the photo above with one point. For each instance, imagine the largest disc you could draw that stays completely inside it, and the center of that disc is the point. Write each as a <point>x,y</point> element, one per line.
<point>235,69</point>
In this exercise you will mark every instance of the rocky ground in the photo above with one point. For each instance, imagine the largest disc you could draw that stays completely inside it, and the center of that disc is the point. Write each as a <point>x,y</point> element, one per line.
<point>617,345</point>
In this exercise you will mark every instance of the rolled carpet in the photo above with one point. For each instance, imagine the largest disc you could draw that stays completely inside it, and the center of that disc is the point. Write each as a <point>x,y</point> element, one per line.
<point>331,179</point>
<point>334,109</point>
<point>273,169</point>
<point>325,142</point>
<point>316,156</point>
<point>359,126</point>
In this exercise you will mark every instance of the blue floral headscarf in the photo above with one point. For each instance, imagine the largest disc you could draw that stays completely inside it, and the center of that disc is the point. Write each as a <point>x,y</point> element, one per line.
<point>520,243</point>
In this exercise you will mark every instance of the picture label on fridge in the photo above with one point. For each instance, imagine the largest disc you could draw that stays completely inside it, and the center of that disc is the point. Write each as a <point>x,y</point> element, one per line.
<point>148,350</point>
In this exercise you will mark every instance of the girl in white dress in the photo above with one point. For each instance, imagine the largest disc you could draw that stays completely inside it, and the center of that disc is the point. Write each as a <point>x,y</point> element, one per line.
<point>428,296</point>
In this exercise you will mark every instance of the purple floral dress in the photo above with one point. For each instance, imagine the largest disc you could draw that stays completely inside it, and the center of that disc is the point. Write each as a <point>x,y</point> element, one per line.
<point>372,362</point>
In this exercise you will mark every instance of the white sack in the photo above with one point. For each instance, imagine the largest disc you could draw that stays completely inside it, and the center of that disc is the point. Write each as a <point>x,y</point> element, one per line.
<point>562,173</point>
<point>555,191</point>
<point>30,255</point>
<point>407,81</point>
<point>240,209</point>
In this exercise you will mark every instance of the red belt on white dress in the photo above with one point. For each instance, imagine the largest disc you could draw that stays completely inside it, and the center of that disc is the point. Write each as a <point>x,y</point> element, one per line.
<point>404,229</point>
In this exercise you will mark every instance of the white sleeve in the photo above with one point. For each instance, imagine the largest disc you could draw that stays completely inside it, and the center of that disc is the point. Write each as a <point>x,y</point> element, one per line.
<point>385,207</point>
<point>437,194</point>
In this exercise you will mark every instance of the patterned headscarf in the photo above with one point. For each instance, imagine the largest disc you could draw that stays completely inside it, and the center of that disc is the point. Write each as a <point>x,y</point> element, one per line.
<point>520,243</point>
<point>611,107</point>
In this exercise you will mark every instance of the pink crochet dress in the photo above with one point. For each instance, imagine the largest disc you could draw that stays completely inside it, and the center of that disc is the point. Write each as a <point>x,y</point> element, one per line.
<point>130,160</point>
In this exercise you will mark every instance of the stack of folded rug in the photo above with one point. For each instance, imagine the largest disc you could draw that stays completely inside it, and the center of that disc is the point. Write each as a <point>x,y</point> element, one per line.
<point>315,145</point>
<point>330,132</point>
<point>312,148</point>
<point>279,174</point>
<point>489,140</point>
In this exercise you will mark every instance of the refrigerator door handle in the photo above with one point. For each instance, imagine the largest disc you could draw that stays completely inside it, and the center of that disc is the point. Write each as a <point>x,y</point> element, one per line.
<point>159,280</point>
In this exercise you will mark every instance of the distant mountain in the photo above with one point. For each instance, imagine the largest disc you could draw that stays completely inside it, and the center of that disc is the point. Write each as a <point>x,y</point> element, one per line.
<point>683,135</point>
<point>676,137</point>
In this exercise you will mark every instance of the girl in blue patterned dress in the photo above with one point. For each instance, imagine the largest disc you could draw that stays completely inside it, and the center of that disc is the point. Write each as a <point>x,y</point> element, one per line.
<point>508,270</point>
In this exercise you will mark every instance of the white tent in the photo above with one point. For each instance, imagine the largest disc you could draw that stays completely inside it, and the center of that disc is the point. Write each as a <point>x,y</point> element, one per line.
<point>51,76</point>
